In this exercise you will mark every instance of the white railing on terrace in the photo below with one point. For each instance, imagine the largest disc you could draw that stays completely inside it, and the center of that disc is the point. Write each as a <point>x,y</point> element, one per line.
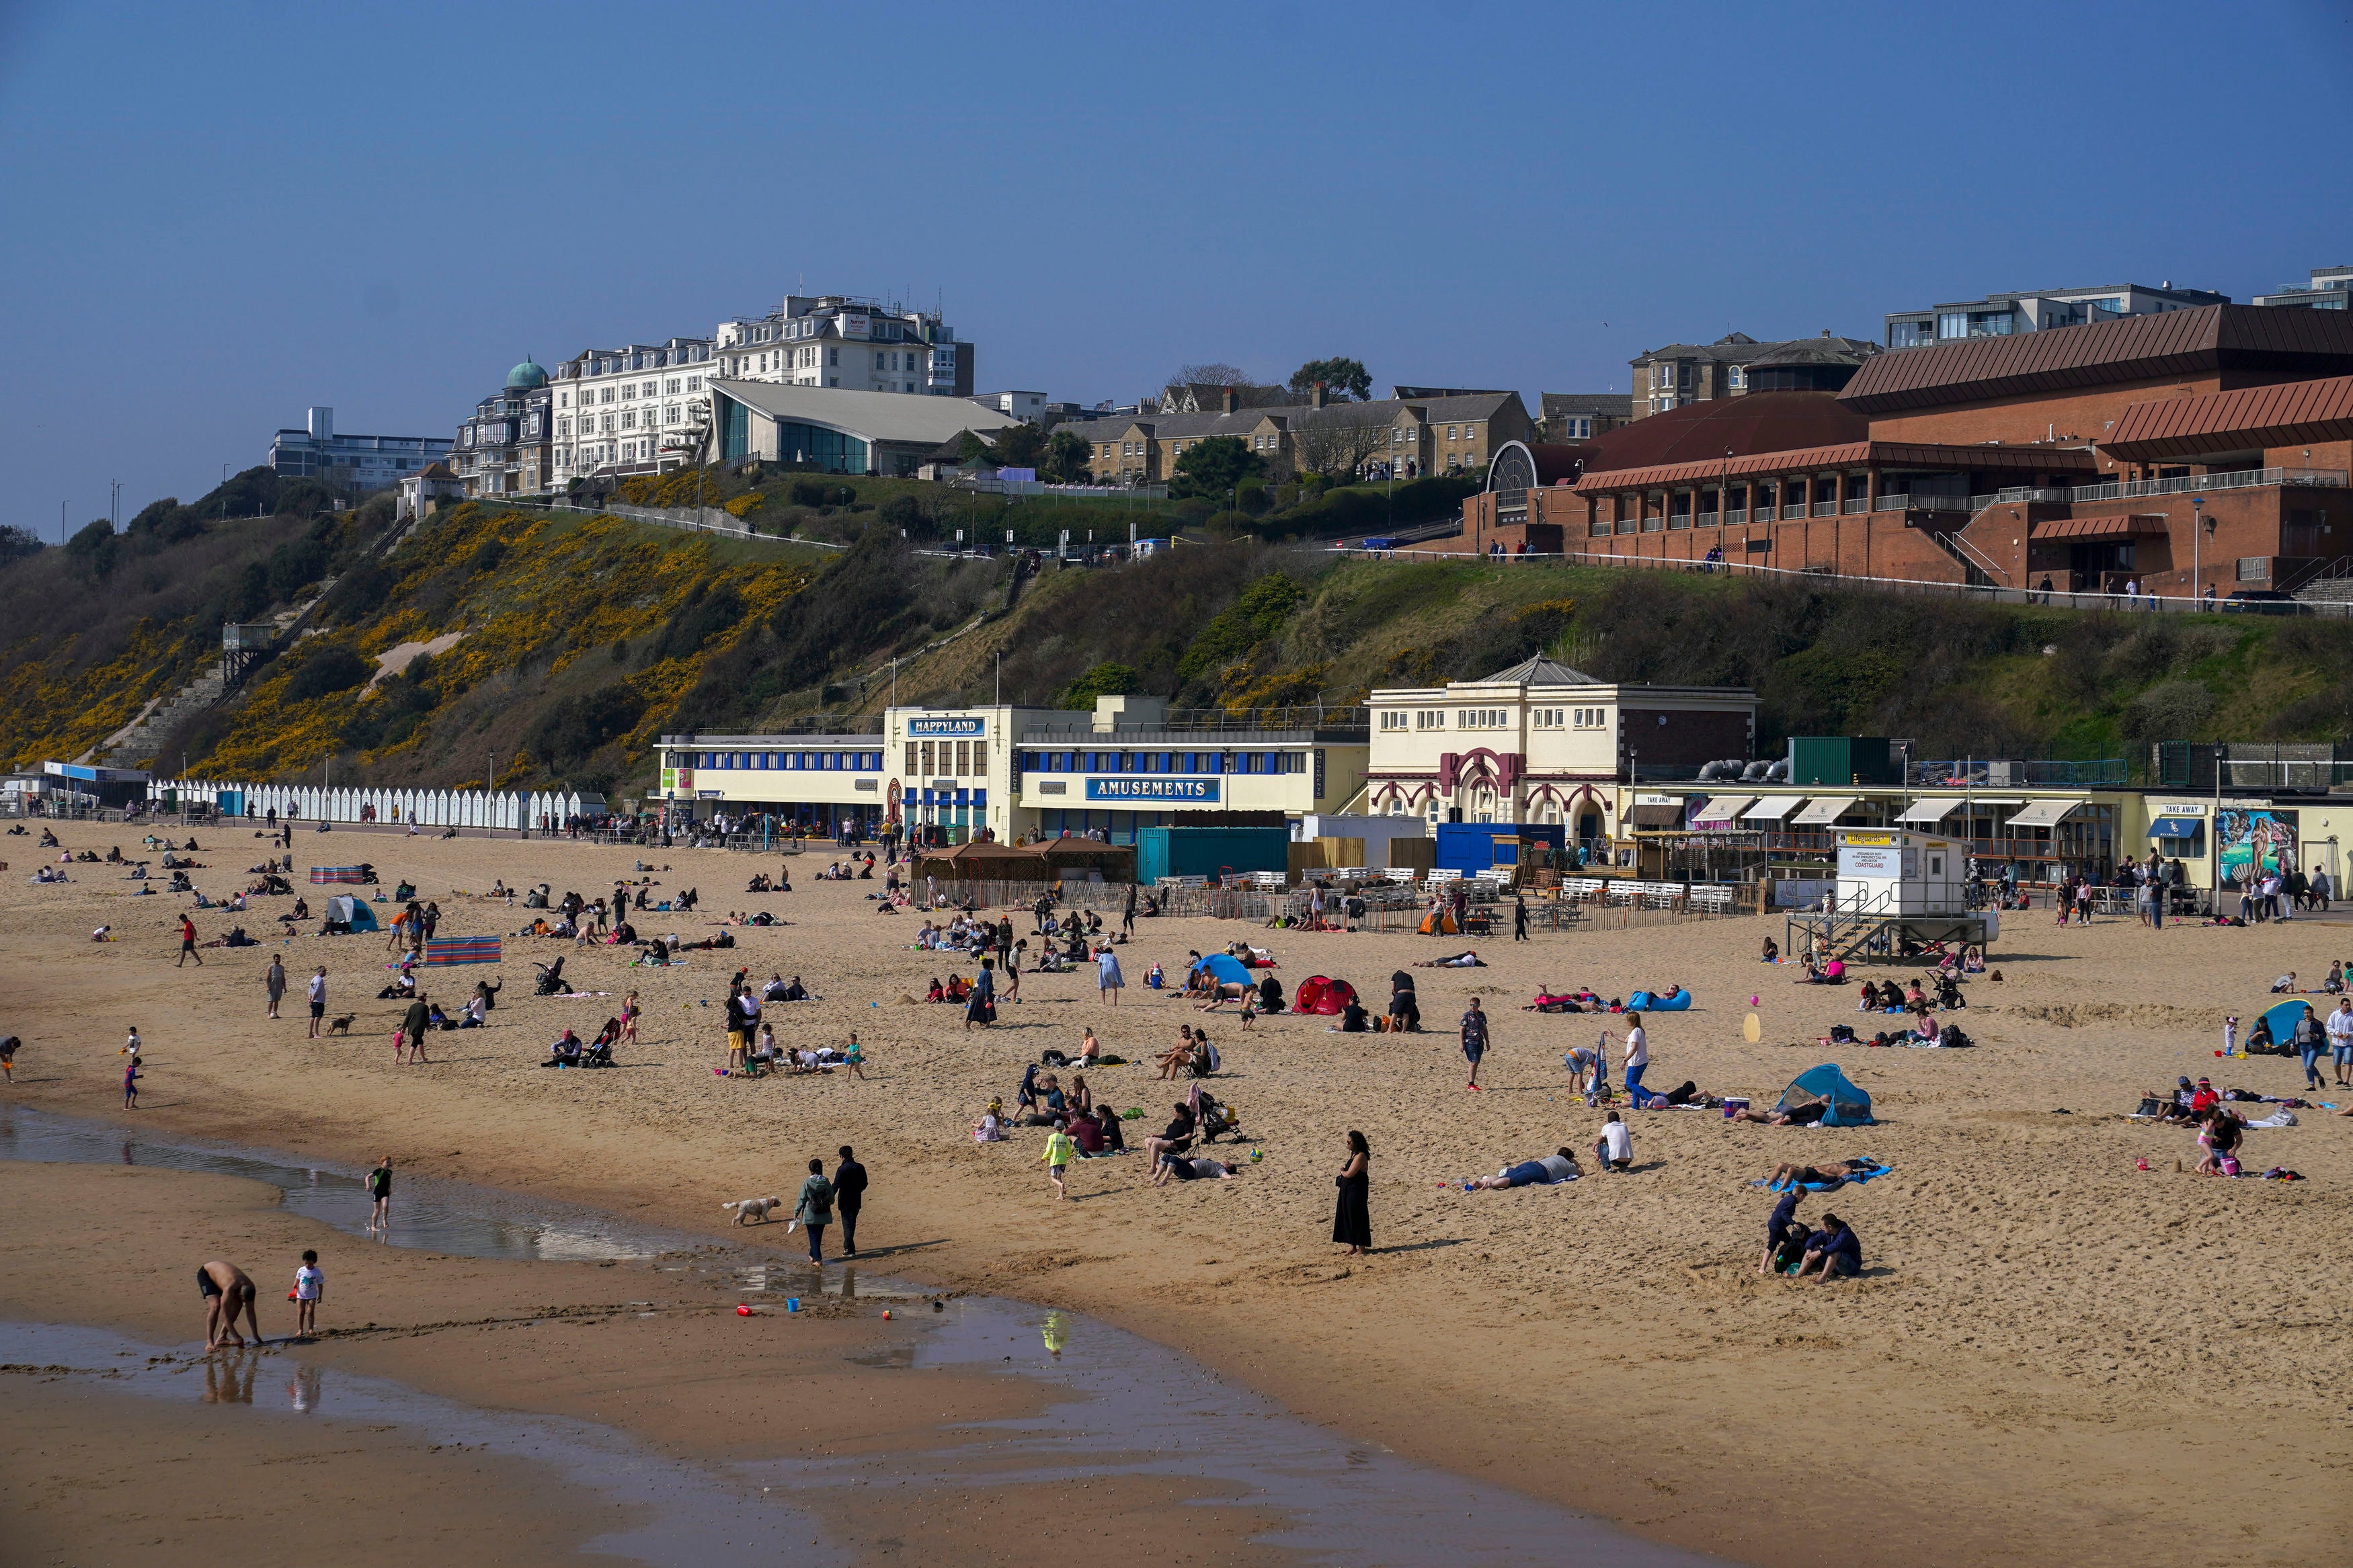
<point>2246,478</point>
<point>1825,508</point>
<point>1858,504</point>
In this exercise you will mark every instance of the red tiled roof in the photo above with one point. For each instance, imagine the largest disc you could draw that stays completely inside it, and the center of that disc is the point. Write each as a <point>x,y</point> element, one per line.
<point>2141,525</point>
<point>2141,348</point>
<point>2290,414</point>
<point>1705,431</point>
<point>1847,455</point>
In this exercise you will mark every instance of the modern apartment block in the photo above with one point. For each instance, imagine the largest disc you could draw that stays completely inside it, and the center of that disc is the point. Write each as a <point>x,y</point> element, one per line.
<point>357,463</point>
<point>855,343</point>
<point>2330,288</point>
<point>2040,310</point>
<point>1680,375</point>
<point>617,410</point>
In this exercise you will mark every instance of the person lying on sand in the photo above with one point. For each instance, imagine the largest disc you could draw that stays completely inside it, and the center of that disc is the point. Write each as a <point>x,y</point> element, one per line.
<point>1185,1168</point>
<point>1796,1116</point>
<point>1829,1178</point>
<point>1560,1166</point>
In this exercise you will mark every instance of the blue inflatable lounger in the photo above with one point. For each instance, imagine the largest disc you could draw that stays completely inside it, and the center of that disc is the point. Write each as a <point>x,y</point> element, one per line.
<point>1676,1001</point>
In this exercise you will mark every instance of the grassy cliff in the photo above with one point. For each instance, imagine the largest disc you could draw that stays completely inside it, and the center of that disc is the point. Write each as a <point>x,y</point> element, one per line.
<point>568,642</point>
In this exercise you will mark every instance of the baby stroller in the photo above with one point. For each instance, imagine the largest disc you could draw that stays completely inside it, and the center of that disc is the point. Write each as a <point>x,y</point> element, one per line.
<point>1218,1119</point>
<point>1948,991</point>
<point>599,1052</point>
<point>551,979</point>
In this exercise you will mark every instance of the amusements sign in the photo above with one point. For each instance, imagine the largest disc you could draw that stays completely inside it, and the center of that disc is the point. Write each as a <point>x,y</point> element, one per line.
<point>2246,837</point>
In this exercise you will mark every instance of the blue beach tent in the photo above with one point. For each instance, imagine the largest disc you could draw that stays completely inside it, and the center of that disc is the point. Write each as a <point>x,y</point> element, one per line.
<point>1224,967</point>
<point>1848,1106</point>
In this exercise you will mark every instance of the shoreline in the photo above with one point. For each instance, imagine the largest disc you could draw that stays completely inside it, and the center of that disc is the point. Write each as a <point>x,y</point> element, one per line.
<point>2008,1391</point>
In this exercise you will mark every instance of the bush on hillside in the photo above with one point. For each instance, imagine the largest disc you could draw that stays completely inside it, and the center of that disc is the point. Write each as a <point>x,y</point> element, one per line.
<point>574,727</point>
<point>1103,680</point>
<point>327,671</point>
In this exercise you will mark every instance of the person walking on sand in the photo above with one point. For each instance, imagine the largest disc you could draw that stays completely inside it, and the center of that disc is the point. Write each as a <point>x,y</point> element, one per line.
<point>1351,1217</point>
<point>1109,982</point>
<point>318,999</point>
<point>2340,1040</point>
<point>379,1190</point>
<point>188,943</point>
<point>813,1210</point>
<point>274,982</point>
<point>1474,1039</point>
<point>1057,1157</point>
<point>1519,917</point>
<point>1127,915</point>
<point>848,1195</point>
<point>226,1291</point>
<point>413,1024</point>
<point>1638,1061</point>
<point>853,1057</point>
<point>981,1006</point>
<point>310,1290</point>
<point>130,1083</point>
<point>8,1058</point>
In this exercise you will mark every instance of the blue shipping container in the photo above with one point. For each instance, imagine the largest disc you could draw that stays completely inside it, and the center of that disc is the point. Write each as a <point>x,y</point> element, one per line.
<point>1472,847</point>
<point>1209,851</point>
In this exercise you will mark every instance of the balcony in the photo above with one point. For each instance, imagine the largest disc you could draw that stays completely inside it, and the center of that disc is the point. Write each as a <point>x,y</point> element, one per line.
<point>2029,496</point>
<point>1857,504</point>
<point>2246,478</point>
<point>1826,509</point>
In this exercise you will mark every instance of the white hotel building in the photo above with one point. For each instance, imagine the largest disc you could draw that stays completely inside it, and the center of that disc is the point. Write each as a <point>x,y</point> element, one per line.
<point>836,339</point>
<point>616,410</point>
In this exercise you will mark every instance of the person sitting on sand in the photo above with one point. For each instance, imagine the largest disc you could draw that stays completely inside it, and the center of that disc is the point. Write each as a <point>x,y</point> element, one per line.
<point>564,1052</point>
<point>1772,953</point>
<point>2285,982</point>
<point>1178,1057</point>
<point>1832,1251</point>
<point>1615,1150</point>
<point>990,1128</point>
<point>2218,1140</point>
<point>1560,1166</point>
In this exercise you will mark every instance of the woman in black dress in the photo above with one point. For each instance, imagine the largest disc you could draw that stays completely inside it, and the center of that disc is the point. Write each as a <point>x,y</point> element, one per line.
<point>1352,1220</point>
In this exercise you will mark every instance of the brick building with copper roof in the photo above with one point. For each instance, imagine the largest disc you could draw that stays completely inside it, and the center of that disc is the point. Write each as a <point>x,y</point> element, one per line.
<point>2201,450</point>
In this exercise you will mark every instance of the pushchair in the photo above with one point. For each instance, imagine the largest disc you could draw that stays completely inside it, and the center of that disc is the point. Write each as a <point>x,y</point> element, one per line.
<point>551,979</point>
<point>1218,1119</point>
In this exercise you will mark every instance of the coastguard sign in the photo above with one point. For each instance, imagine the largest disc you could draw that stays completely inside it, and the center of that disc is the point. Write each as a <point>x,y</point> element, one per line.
<point>1152,789</point>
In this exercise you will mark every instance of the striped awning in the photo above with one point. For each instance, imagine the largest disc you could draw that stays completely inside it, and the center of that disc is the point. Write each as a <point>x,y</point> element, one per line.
<point>1722,809</point>
<point>1926,813</point>
<point>1826,810</point>
<point>1773,807</point>
<point>2043,813</point>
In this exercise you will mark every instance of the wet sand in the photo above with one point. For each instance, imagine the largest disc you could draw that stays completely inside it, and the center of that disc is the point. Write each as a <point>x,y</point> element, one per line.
<point>2031,1367</point>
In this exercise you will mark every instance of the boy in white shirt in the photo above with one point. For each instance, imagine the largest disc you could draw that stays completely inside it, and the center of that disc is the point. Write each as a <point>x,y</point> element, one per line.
<point>1616,1149</point>
<point>310,1290</point>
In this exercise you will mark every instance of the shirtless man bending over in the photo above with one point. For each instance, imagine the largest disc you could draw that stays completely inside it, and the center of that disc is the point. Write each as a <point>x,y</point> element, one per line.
<point>227,1291</point>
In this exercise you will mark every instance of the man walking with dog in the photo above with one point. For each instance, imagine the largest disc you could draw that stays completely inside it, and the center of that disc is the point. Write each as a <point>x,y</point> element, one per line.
<point>318,999</point>
<point>849,1197</point>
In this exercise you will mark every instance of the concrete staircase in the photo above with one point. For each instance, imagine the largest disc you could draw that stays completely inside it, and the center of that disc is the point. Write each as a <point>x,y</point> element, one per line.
<point>136,742</point>
<point>2333,587</point>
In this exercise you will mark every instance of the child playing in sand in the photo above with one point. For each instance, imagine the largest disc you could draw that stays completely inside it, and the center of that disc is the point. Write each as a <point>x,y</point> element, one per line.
<point>1060,1151</point>
<point>131,1084</point>
<point>853,1057</point>
<point>310,1290</point>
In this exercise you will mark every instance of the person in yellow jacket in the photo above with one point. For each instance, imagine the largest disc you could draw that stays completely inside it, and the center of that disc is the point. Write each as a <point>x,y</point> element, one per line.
<point>1057,1158</point>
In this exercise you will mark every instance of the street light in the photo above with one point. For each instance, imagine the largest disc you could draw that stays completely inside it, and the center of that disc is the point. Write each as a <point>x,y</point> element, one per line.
<point>2197,533</point>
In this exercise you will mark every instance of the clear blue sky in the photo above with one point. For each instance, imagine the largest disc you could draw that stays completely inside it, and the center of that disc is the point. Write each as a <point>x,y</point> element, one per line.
<point>215,215</point>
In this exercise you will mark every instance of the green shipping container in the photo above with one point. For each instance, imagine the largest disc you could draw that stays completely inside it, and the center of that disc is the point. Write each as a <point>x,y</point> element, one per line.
<point>1835,760</point>
<point>1209,851</point>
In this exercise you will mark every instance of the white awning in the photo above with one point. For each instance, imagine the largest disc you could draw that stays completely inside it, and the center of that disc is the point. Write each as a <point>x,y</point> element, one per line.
<point>1923,813</point>
<point>1722,809</point>
<point>1826,810</point>
<point>2043,813</point>
<point>1774,807</point>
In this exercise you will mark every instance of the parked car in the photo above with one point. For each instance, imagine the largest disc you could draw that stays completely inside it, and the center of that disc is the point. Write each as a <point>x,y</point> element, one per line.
<point>2260,601</point>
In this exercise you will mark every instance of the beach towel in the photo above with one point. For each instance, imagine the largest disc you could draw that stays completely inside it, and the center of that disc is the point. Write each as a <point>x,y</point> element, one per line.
<point>2279,1118</point>
<point>451,950</point>
<point>1679,1000</point>
<point>1853,1179</point>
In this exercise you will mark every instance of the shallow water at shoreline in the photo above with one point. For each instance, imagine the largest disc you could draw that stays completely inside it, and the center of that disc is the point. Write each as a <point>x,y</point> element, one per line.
<point>1132,1407</point>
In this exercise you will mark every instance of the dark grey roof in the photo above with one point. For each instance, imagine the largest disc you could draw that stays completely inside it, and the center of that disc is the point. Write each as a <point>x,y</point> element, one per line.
<point>1537,671</point>
<point>1620,403</point>
<point>1381,411</point>
<point>1816,351</point>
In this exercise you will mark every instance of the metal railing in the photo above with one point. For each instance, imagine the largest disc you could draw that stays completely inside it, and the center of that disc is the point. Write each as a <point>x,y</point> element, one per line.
<point>1857,504</point>
<point>1826,509</point>
<point>2030,773</point>
<point>1266,721</point>
<point>2245,478</point>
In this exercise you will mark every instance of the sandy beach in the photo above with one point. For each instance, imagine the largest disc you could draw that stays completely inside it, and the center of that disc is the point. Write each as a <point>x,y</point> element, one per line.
<point>2050,1351</point>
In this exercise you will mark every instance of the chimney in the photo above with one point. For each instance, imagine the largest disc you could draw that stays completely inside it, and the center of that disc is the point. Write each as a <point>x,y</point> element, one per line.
<point>1317,398</point>
<point>1232,399</point>
<point>323,424</point>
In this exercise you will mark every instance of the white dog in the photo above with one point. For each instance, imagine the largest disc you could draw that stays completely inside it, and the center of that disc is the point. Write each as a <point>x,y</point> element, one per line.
<point>748,1210</point>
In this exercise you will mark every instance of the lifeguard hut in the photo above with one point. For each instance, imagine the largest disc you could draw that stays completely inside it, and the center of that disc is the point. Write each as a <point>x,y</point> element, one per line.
<point>1899,896</point>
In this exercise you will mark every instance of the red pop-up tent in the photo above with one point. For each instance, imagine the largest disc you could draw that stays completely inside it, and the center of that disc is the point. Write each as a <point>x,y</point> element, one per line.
<point>1319,993</point>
